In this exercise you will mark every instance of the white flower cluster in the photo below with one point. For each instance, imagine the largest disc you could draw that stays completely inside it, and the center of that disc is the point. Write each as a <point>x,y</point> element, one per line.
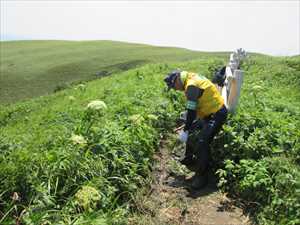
<point>152,117</point>
<point>78,139</point>
<point>257,88</point>
<point>87,198</point>
<point>136,119</point>
<point>81,87</point>
<point>72,98</point>
<point>97,105</point>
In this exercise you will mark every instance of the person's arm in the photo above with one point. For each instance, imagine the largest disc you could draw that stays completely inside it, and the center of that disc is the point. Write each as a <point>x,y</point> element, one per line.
<point>193,94</point>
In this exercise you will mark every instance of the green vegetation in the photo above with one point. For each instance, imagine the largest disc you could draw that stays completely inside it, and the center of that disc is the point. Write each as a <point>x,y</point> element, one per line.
<point>34,68</point>
<point>54,148</point>
<point>65,161</point>
<point>259,150</point>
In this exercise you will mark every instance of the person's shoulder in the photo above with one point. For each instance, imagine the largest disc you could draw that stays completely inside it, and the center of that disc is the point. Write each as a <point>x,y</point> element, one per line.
<point>191,82</point>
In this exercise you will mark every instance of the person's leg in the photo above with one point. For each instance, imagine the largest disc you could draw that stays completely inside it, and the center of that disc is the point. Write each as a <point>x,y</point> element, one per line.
<point>189,153</point>
<point>219,118</point>
<point>203,148</point>
<point>191,144</point>
<point>209,130</point>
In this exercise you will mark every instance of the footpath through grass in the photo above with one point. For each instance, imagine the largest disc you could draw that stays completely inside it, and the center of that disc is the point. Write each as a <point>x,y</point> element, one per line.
<point>62,163</point>
<point>171,199</point>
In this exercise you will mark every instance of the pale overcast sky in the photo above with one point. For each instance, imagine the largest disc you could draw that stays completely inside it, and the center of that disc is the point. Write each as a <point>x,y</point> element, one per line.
<point>270,27</point>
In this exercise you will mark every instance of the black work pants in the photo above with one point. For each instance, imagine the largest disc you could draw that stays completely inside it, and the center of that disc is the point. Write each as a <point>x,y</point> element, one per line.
<point>210,127</point>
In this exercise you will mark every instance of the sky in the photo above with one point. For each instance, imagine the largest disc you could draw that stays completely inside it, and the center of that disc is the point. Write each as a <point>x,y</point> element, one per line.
<point>270,27</point>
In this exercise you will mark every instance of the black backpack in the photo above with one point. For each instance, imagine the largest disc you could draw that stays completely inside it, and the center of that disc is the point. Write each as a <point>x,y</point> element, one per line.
<point>220,76</point>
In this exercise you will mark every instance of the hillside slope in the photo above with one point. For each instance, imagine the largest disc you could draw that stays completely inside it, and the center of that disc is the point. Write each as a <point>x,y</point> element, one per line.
<point>33,68</point>
<point>63,161</point>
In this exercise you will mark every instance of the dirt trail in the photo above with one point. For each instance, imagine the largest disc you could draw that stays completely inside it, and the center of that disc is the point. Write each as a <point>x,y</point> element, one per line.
<point>172,201</point>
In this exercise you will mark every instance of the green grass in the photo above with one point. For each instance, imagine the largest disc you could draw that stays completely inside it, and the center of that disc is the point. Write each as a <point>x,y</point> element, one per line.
<point>40,162</point>
<point>257,154</point>
<point>34,68</point>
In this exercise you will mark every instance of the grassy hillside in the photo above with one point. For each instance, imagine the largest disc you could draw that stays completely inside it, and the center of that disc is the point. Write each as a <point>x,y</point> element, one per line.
<point>62,162</point>
<point>33,68</point>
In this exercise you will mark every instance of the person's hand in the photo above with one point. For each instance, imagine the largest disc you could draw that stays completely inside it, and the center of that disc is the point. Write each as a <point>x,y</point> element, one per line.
<point>183,136</point>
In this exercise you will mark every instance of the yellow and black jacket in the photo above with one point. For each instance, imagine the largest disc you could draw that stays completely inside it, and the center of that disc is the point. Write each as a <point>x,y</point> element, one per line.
<point>202,95</point>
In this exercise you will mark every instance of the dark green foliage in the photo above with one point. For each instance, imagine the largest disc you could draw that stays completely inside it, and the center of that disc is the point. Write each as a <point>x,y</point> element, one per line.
<point>258,149</point>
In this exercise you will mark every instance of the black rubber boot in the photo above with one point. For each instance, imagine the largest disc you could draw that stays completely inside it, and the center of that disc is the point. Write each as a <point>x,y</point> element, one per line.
<point>199,181</point>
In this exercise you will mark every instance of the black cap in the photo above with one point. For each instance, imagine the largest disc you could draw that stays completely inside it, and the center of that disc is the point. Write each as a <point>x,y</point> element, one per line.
<point>171,77</point>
